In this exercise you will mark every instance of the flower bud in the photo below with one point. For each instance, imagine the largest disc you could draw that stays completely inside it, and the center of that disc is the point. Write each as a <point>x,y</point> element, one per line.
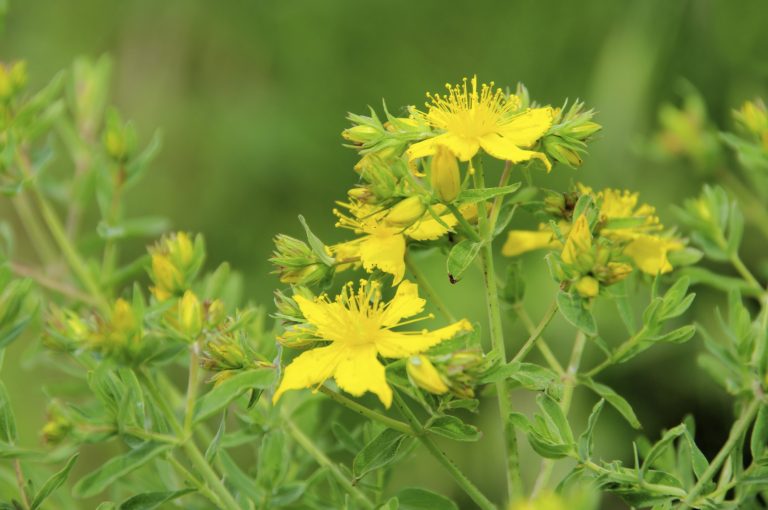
<point>587,287</point>
<point>168,279</point>
<point>405,212</point>
<point>190,316</point>
<point>753,117</point>
<point>579,245</point>
<point>361,134</point>
<point>297,263</point>
<point>423,374</point>
<point>215,312</point>
<point>445,176</point>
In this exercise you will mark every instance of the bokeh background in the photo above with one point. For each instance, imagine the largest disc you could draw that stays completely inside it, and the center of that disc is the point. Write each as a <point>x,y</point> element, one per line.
<point>251,97</point>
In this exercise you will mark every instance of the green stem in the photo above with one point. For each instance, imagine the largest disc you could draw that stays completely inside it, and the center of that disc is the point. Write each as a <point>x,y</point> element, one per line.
<point>755,210</point>
<point>541,344</point>
<point>54,285</point>
<point>21,481</point>
<point>513,477</point>
<point>745,273</point>
<point>536,333</point>
<point>325,462</point>
<point>350,404</point>
<point>569,383</point>
<point>188,445</point>
<point>618,353</point>
<point>466,228</point>
<point>200,486</point>
<point>498,201</point>
<point>192,387</point>
<point>425,285</point>
<point>651,487</point>
<point>460,478</point>
<point>34,229</point>
<point>57,231</point>
<point>736,435</point>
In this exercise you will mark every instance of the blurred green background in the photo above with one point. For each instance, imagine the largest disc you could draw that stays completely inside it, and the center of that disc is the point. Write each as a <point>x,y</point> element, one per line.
<point>252,95</point>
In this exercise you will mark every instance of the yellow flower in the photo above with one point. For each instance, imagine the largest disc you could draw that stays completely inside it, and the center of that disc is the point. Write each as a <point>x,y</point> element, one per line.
<point>381,245</point>
<point>587,287</point>
<point>579,241</point>
<point>470,120</point>
<point>649,252</point>
<point>359,327</point>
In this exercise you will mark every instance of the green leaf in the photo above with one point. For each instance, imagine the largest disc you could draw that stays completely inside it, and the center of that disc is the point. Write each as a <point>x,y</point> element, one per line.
<point>272,460</point>
<point>699,275</point>
<point>735,229</point>
<point>469,196</point>
<point>150,226</point>
<point>152,500</point>
<point>555,416</point>
<point>7,418</point>
<point>238,479</point>
<point>759,437</point>
<point>381,451</point>
<point>665,442</point>
<point>220,396</point>
<point>613,398</point>
<point>213,448</point>
<point>53,483</point>
<point>460,258</point>
<point>453,428</point>
<point>574,309</point>
<point>676,336</point>
<point>422,499</point>
<point>318,248</point>
<point>585,439</point>
<point>116,468</point>
<point>137,167</point>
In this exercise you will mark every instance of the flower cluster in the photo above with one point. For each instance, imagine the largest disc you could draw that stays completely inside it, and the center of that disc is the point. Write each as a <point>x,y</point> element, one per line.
<point>599,238</point>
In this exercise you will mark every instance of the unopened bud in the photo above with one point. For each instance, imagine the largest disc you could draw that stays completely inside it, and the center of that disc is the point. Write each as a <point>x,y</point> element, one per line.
<point>361,134</point>
<point>423,374</point>
<point>587,287</point>
<point>190,317</point>
<point>445,175</point>
<point>406,212</point>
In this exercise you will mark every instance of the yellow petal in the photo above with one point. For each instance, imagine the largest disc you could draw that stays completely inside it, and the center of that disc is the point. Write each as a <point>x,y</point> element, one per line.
<point>400,345</point>
<point>523,130</point>
<point>523,241</point>
<point>463,148</point>
<point>327,318</point>
<point>359,371</point>
<point>650,253</point>
<point>406,303</point>
<point>310,368</point>
<point>503,148</point>
<point>384,250</point>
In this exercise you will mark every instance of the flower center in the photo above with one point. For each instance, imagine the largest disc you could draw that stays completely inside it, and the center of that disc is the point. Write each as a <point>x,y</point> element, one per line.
<point>469,113</point>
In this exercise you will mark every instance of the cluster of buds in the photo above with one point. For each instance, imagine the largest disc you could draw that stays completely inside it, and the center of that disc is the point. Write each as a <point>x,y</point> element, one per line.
<point>567,139</point>
<point>189,317</point>
<point>686,131</point>
<point>59,424</point>
<point>295,334</point>
<point>456,373</point>
<point>230,346</point>
<point>370,136</point>
<point>119,335</point>
<point>297,263</point>
<point>176,261</point>
<point>13,79</point>
<point>752,117</point>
